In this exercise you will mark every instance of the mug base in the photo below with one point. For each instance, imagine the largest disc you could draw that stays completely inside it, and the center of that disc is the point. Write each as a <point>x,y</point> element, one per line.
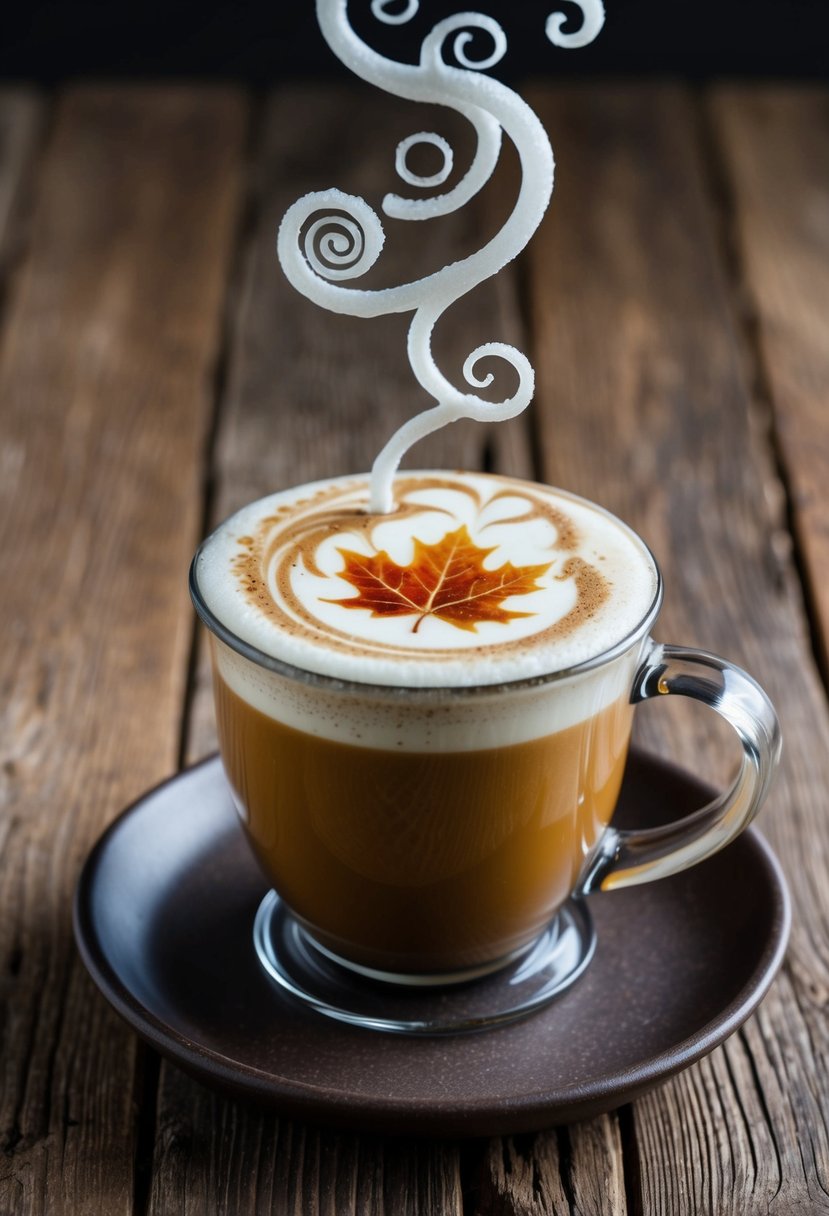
<point>424,1005</point>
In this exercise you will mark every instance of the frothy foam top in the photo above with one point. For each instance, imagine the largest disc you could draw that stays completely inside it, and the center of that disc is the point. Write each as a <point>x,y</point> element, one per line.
<point>473,579</point>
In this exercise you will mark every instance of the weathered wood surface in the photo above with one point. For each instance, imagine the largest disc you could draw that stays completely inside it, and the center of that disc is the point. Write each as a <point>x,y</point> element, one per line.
<point>575,1171</point>
<point>105,371</point>
<point>646,401</point>
<point>660,394</point>
<point>773,146</point>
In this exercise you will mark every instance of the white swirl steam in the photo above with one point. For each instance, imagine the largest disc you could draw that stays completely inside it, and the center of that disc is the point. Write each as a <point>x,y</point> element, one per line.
<point>379,9</point>
<point>342,242</point>
<point>418,179</point>
<point>433,44</point>
<point>478,174</point>
<point>329,236</point>
<point>592,22</point>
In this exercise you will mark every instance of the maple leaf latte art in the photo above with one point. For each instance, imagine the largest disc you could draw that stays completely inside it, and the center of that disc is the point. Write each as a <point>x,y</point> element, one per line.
<point>421,794</point>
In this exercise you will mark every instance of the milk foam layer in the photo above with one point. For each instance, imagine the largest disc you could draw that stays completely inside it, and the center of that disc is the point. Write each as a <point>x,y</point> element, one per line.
<point>279,575</point>
<point>429,720</point>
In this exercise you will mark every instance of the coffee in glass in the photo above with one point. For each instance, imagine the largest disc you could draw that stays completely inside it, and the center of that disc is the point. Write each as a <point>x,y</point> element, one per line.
<point>424,718</point>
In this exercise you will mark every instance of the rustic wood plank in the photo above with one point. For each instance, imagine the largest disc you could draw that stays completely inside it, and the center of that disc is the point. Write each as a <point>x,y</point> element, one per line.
<point>523,1176</point>
<point>645,406</point>
<point>575,1171</point>
<point>22,119</point>
<point>105,399</point>
<point>775,155</point>
<point>596,1168</point>
<point>226,1157</point>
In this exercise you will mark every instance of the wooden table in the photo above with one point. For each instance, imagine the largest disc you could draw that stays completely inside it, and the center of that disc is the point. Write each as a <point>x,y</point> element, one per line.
<point>157,372</point>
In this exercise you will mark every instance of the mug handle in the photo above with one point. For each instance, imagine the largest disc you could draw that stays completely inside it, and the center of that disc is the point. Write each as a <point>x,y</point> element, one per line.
<point>625,858</point>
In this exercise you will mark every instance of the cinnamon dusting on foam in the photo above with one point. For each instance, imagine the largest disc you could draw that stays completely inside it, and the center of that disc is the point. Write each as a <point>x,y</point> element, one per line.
<point>290,538</point>
<point>276,577</point>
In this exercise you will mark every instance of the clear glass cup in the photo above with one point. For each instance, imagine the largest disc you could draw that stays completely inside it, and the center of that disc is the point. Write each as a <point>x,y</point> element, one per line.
<point>429,884</point>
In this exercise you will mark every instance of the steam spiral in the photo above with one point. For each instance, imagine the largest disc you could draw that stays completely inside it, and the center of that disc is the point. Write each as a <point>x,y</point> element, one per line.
<point>337,235</point>
<point>592,20</point>
<point>458,25</point>
<point>379,9</point>
<point>419,179</point>
<point>329,237</point>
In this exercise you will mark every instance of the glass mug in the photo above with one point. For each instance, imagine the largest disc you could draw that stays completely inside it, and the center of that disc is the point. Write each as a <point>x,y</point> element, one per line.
<point>451,850</point>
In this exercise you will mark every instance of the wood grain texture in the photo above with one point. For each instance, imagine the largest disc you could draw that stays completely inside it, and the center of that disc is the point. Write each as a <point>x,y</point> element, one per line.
<point>774,155</point>
<point>646,405</point>
<point>216,1156</point>
<point>105,398</point>
<point>523,1176</point>
<point>595,1168</point>
<point>568,1171</point>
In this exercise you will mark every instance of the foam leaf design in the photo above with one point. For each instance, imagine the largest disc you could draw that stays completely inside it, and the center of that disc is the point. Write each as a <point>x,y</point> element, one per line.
<point>447,580</point>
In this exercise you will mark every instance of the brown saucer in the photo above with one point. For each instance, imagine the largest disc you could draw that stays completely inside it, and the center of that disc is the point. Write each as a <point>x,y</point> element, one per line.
<point>163,917</point>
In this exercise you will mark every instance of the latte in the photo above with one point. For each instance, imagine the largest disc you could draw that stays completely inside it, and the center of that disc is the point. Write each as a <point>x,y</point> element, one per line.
<point>420,749</point>
<point>429,861</point>
<point>472,579</point>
